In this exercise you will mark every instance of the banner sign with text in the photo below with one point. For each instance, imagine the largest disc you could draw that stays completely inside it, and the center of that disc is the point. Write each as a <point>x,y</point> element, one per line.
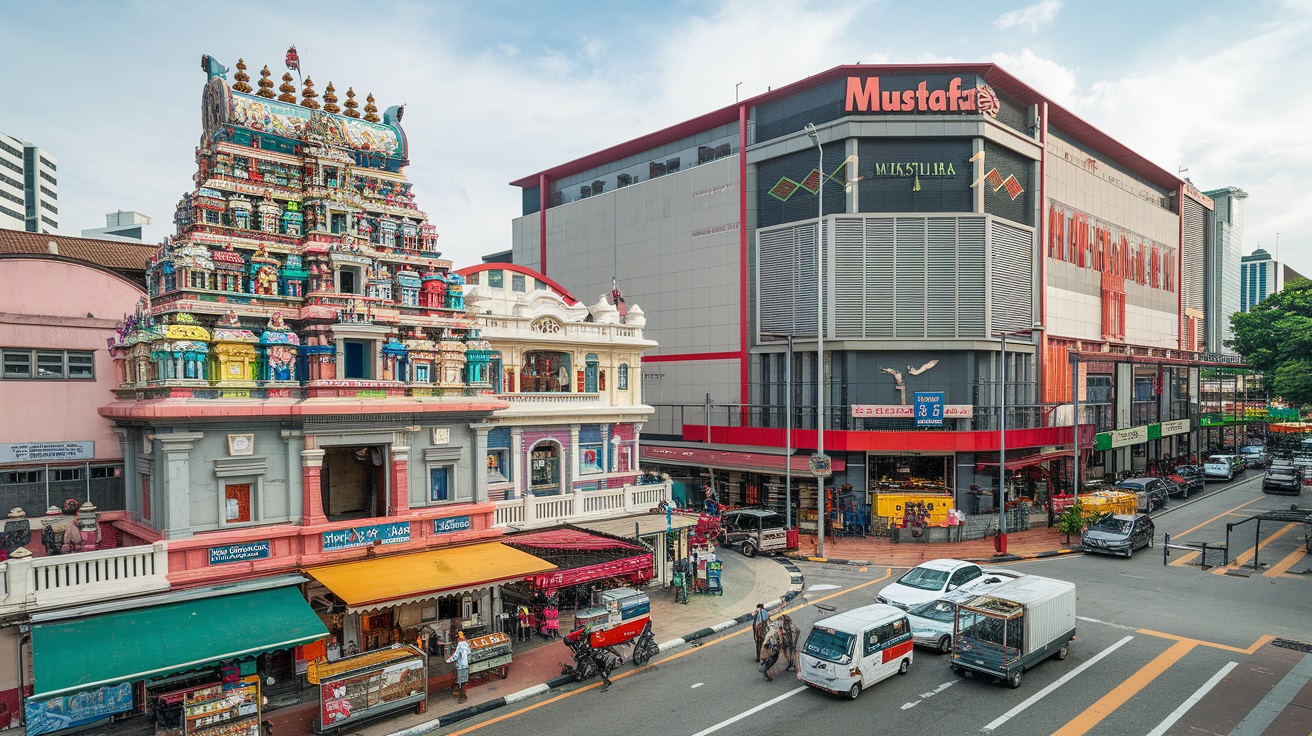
<point>363,536</point>
<point>240,552</point>
<point>907,411</point>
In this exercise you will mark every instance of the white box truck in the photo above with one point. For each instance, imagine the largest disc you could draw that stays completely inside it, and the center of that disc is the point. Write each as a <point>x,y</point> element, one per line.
<point>1013,627</point>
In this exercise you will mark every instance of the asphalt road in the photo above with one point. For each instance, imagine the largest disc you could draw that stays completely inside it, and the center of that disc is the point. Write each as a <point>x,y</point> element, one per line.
<point>1161,649</point>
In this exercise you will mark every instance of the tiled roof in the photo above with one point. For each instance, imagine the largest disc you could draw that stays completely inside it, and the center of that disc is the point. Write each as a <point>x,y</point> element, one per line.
<point>113,254</point>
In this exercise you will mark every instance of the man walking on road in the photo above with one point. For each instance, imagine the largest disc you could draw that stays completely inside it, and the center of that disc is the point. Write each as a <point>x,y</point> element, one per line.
<point>788,633</point>
<point>760,626</point>
<point>771,646</point>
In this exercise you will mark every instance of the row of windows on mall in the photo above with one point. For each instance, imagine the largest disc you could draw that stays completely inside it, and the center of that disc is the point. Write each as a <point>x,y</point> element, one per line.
<point>27,363</point>
<point>58,475</point>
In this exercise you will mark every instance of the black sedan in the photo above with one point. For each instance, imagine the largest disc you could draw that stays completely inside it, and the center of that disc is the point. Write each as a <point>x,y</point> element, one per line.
<point>1156,490</point>
<point>1118,534</point>
<point>1283,479</point>
<point>1185,486</point>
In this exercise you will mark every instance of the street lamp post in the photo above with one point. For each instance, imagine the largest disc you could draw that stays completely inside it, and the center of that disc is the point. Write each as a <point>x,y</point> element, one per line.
<point>1001,545</point>
<point>819,342</point>
<point>788,429</point>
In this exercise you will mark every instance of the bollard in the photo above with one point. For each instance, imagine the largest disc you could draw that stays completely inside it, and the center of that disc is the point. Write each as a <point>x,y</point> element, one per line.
<point>1166,548</point>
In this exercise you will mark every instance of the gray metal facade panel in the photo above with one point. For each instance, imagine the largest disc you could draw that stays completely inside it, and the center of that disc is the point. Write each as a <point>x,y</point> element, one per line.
<point>880,284</point>
<point>1012,284</point>
<point>910,270</point>
<point>849,278</point>
<point>941,278</point>
<point>971,277</point>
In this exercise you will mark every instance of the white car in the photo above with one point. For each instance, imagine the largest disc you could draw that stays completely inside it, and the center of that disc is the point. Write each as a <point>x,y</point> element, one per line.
<point>928,581</point>
<point>932,622</point>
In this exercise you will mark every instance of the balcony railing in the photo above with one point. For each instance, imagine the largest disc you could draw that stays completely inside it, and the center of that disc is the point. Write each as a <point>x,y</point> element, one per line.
<point>39,583</point>
<point>533,512</point>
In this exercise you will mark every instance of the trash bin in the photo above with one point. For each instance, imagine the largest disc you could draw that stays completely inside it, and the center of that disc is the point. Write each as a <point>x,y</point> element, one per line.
<point>984,502</point>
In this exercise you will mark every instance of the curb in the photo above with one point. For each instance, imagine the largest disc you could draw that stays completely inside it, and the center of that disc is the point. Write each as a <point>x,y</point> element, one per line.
<point>1074,549</point>
<point>831,561</point>
<point>794,587</point>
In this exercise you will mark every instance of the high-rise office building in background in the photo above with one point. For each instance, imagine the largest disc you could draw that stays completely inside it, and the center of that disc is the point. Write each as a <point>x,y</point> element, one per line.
<point>29,187</point>
<point>1221,274</point>
<point>1260,276</point>
<point>120,225</point>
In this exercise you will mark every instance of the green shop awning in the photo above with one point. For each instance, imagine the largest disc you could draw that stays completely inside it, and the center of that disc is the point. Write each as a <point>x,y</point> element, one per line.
<point>136,644</point>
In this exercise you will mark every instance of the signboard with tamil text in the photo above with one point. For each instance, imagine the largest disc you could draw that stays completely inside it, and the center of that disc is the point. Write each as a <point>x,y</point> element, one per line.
<point>907,411</point>
<point>929,408</point>
<point>452,524</point>
<point>363,536</point>
<point>31,452</point>
<point>239,552</point>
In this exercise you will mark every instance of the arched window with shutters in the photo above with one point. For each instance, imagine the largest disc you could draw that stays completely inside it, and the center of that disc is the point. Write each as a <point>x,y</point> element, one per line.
<point>590,373</point>
<point>623,376</point>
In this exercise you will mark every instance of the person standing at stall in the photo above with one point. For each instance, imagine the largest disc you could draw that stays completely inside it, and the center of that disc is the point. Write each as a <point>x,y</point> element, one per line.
<point>461,659</point>
<point>760,627</point>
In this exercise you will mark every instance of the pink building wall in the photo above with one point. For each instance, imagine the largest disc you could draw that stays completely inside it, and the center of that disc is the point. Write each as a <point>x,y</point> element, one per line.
<point>61,305</point>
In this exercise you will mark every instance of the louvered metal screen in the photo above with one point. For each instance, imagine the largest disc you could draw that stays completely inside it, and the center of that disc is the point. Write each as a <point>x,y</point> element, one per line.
<point>1013,268</point>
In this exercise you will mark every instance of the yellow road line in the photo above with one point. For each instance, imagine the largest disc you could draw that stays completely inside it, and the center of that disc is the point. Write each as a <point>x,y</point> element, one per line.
<point>888,572</point>
<point>1094,714</point>
<point>1245,557</point>
<point>1290,560</point>
<point>1186,558</point>
<point>1214,518</point>
<point>1261,640</point>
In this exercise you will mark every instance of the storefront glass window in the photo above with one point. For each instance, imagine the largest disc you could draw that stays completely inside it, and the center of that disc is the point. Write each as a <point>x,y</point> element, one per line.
<point>910,473</point>
<point>545,372</point>
<point>591,458</point>
<point>544,469</point>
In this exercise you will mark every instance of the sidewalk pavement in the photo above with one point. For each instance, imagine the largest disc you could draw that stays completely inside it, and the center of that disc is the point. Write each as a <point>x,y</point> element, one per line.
<point>746,582</point>
<point>1037,541</point>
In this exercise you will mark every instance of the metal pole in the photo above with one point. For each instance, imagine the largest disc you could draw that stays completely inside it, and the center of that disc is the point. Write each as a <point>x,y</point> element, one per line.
<point>1075,434</point>
<point>1002,458</point>
<point>708,419</point>
<point>788,436</point>
<point>819,338</point>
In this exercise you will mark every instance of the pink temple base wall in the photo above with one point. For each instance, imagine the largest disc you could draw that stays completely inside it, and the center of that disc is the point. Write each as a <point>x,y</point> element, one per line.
<point>298,547</point>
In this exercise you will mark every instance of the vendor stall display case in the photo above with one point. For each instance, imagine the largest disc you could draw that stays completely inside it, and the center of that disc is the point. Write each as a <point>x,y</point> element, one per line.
<point>369,685</point>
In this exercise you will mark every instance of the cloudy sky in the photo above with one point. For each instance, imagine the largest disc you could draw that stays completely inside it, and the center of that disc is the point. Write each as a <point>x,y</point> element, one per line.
<point>498,90</point>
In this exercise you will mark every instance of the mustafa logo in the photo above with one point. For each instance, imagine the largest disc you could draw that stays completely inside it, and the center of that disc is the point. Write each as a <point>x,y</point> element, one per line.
<point>864,95</point>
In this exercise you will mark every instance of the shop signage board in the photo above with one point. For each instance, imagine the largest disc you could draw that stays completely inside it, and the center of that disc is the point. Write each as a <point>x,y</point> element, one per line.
<point>822,466</point>
<point>1168,429</point>
<point>452,524</point>
<point>371,689</point>
<point>929,408</point>
<point>28,452</point>
<point>69,711</point>
<point>363,536</point>
<point>240,552</point>
<point>908,94</point>
<point>1120,438</point>
<point>907,411</point>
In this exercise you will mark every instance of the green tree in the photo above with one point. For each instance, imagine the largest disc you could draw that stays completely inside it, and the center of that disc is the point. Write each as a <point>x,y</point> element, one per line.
<point>1276,338</point>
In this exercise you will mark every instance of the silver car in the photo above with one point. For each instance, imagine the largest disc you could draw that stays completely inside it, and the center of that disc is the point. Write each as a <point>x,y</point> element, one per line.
<point>932,622</point>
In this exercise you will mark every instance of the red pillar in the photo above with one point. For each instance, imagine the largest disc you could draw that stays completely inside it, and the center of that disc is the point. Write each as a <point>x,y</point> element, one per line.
<point>400,480</point>
<point>311,486</point>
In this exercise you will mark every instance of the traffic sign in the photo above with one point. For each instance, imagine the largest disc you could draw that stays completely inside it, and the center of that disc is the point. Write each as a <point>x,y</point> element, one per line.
<point>929,408</point>
<point>822,466</point>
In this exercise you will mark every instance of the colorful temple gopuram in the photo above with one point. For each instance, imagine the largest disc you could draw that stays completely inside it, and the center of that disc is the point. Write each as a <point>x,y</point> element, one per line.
<point>305,356</point>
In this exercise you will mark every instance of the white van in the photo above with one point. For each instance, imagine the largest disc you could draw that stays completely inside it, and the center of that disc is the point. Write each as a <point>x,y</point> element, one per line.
<point>848,652</point>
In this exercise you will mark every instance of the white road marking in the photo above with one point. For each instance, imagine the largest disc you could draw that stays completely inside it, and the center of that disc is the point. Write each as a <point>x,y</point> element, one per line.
<point>1036,697</point>
<point>823,586</point>
<point>930,694</point>
<point>696,685</point>
<point>1107,623</point>
<point>1193,699</point>
<point>751,711</point>
<point>1264,713</point>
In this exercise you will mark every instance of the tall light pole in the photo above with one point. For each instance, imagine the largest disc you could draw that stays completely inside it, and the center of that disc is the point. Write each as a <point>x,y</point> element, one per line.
<point>819,463</point>
<point>788,428</point>
<point>1001,545</point>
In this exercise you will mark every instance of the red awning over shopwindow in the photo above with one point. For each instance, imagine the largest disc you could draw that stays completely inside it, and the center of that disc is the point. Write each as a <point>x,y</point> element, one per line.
<point>753,462</point>
<point>1030,460</point>
<point>582,557</point>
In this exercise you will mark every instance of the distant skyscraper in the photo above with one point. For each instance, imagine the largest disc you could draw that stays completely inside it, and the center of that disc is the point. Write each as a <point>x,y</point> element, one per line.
<point>1221,276</point>
<point>1260,276</point>
<point>121,224</point>
<point>29,191</point>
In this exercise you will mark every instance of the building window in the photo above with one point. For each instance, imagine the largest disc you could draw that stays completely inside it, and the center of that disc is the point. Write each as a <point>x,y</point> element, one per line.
<point>105,471</point>
<point>498,465</point>
<point>421,373</point>
<point>496,279</point>
<point>21,363</point>
<point>21,476</point>
<point>358,361</point>
<point>65,474</point>
<point>441,483</point>
<point>47,163</point>
<point>348,280</point>
<point>623,376</point>
<point>49,178</point>
<point>237,503</point>
<point>592,458</point>
<point>590,373</point>
<point>517,283</point>
<point>544,469</point>
<point>545,372</point>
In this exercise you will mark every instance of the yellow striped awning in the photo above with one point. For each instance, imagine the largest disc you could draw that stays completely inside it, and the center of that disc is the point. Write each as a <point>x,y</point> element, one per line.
<point>388,581</point>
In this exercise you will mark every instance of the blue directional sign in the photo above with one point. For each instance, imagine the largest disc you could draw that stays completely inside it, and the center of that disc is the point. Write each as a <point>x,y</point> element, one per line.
<point>929,408</point>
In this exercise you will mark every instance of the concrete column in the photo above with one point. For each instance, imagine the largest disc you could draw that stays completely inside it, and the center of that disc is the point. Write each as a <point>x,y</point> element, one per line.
<point>570,467</point>
<point>517,464</point>
<point>311,486</point>
<point>339,358</point>
<point>479,462</point>
<point>400,479</point>
<point>295,499</point>
<point>174,484</point>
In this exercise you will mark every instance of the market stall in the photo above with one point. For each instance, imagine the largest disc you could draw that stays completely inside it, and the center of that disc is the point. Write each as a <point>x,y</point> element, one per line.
<point>369,685</point>
<point>230,707</point>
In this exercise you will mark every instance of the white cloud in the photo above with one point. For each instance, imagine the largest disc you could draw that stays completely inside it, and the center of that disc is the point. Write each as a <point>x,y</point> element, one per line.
<point>1049,78</point>
<point>1032,18</point>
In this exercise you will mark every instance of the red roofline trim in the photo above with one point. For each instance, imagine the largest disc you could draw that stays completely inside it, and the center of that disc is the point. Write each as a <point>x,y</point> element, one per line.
<point>1060,117</point>
<point>516,268</point>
